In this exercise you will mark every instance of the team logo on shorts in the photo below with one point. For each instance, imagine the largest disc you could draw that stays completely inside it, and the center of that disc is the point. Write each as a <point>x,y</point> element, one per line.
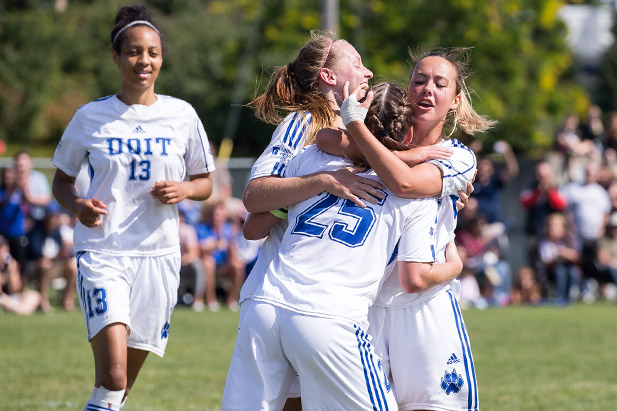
<point>451,382</point>
<point>453,359</point>
<point>165,331</point>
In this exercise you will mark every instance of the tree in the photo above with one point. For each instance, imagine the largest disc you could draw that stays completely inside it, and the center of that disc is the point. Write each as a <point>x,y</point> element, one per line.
<point>606,92</point>
<point>52,62</point>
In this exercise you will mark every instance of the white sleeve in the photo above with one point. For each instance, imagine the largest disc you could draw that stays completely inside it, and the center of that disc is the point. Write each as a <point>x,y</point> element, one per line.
<point>198,156</point>
<point>418,239</point>
<point>71,152</point>
<point>287,141</point>
<point>457,170</point>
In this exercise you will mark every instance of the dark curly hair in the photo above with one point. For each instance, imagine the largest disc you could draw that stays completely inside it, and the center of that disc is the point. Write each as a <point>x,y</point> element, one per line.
<point>127,15</point>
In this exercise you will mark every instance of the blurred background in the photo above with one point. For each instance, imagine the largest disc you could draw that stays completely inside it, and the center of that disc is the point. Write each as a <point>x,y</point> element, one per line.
<point>535,60</point>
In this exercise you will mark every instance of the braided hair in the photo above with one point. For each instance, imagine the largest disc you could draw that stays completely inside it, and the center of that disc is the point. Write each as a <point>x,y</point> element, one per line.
<point>389,117</point>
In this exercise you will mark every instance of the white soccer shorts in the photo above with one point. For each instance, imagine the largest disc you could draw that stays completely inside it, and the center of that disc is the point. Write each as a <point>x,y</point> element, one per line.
<point>294,390</point>
<point>140,292</point>
<point>426,353</point>
<point>333,358</point>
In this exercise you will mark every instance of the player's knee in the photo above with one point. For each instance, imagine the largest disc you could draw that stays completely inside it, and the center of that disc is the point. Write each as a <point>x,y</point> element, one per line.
<point>114,379</point>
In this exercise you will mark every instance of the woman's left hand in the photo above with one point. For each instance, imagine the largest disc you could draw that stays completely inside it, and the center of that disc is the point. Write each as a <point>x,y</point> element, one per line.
<point>170,192</point>
<point>351,108</point>
<point>463,197</point>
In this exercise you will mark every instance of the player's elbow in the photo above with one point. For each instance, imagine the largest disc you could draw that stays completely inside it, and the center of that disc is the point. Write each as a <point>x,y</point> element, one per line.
<point>250,200</point>
<point>403,189</point>
<point>413,286</point>
<point>251,233</point>
<point>413,277</point>
<point>407,189</point>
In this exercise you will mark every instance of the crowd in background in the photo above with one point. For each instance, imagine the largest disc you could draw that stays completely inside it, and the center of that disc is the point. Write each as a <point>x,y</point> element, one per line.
<point>570,221</point>
<point>570,229</point>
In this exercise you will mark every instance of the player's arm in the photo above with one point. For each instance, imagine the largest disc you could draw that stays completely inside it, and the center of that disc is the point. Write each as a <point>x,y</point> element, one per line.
<point>336,141</point>
<point>416,277</point>
<point>422,180</point>
<point>258,225</point>
<point>273,192</point>
<point>198,188</point>
<point>88,210</point>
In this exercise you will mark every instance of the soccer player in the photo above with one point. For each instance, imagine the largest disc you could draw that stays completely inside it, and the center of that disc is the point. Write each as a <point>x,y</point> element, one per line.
<point>309,315</point>
<point>139,147</point>
<point>305,89</point>
<point>421,336</point>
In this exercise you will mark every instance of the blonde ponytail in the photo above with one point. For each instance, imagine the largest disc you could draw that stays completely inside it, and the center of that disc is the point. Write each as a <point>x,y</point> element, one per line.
<point>294,87</point>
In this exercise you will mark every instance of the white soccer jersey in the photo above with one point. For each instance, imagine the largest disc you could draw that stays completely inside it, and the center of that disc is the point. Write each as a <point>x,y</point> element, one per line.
<point>332,258</point>
<point>287,141</point>
<point>128,148</point>
<point>457,170</point>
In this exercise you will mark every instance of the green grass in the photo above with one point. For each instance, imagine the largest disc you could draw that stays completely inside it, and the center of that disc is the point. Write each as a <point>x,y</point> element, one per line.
<point>540,358</point>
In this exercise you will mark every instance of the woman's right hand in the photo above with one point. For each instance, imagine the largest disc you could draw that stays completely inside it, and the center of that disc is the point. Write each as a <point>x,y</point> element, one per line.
<point>352,109</point>
<point>89,212</point>
<point>345,183</point>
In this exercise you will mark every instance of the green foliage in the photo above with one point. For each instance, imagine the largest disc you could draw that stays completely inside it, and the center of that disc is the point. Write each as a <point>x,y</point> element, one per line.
<point>519,56</point>
<point>541,358</point>
<point>52,62</point>
<point>607,88</point>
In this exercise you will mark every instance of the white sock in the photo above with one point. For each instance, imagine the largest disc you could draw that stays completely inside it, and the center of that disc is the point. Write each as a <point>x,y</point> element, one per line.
<point>94,391</point>
<point>104,400</point>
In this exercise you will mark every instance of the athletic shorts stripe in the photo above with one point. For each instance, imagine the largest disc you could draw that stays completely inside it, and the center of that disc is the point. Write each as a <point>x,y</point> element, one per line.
<point>472,390</point>
<point>82,289</point>
<point>92,407</point>
<point>366,357</point>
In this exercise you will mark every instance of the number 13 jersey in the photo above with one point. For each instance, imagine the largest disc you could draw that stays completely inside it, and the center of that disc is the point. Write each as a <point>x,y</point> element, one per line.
<point>127,149</point>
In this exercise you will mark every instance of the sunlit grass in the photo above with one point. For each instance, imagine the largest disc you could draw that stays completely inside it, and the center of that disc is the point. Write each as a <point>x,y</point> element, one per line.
<point>540,358</point>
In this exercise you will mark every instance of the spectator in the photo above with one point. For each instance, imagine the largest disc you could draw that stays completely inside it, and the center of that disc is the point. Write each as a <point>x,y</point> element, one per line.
<point>65,263</point>
<point>217,234</point>
<point>57,257</point>
<point>471,295</point>
<point>540,199</point>
<point>589,206</point>
<point>526,289</point>
<point>574,151</point>
<point>485,258</point>
<point>12,217</point>
<point>607,254</point>
<point>559,254</point>
<point>13,296</point>
<point>36,196</point>
<point>222,186</point>
<point>607,173</point>
<point>592,129</point>
<point>610,141</point>
<point>489,184</point>
<point>192,277</point>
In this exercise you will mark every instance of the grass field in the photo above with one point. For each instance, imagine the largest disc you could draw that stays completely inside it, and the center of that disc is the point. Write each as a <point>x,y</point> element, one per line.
<point>540,358</point>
